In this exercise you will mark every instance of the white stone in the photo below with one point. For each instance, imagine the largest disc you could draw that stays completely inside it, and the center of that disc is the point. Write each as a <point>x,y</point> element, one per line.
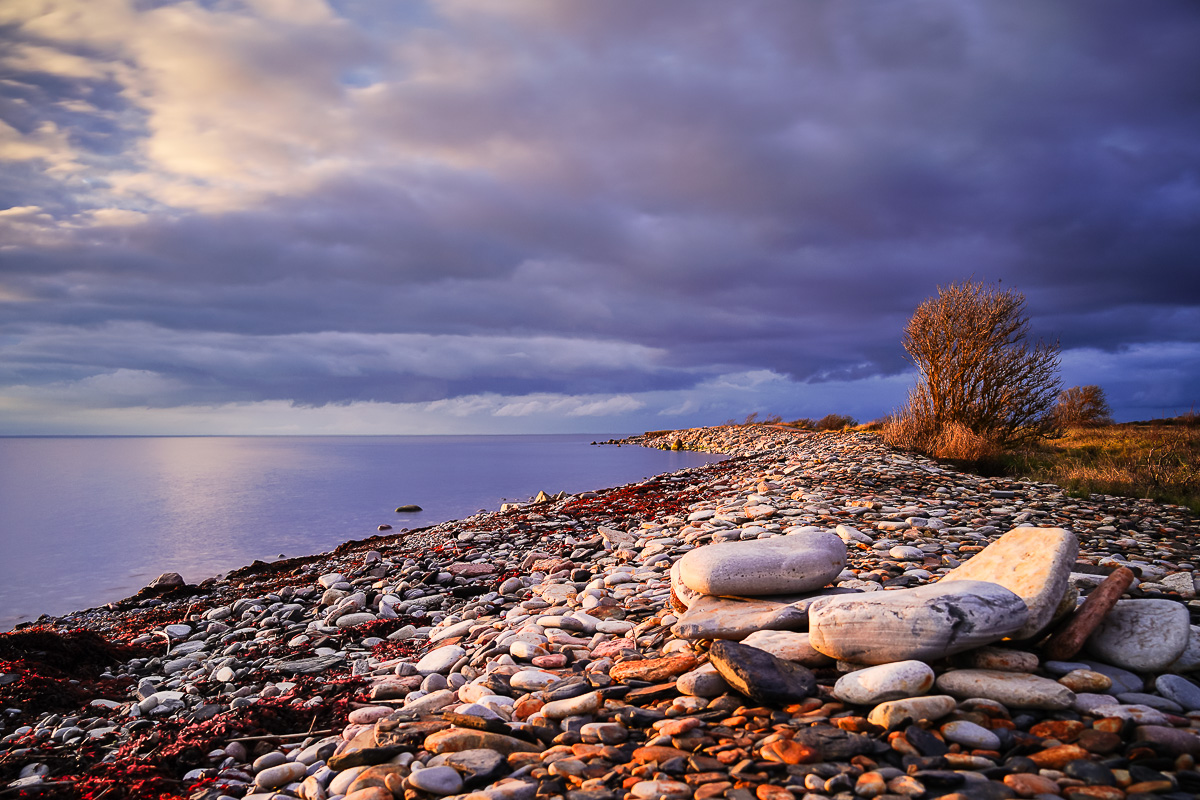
<point>441,660</point>
<point>532,680</point>
<point>885,682</point>
<point>925,623</point>
<point>1013,689</point>
<point>850,535</point>
<point>798,563</point>
<point>970,735</point>
<point>572,707</point>
<point>894,712</point>
<point>1142,635</point>
<point>704,681</point>
<point>436,780</point>
<point>1033,563</point>
<point>790,646</point>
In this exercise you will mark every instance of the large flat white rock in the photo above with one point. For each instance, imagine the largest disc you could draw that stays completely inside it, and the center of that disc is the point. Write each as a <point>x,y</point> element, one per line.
<point>798,562</point>
<point>925,623</point>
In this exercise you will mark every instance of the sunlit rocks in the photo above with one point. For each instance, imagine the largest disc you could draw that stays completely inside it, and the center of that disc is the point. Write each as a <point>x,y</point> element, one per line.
<point>1142,635</point>
<point>924,623</point>
<point>800,562</point>
<point>1032,563</point>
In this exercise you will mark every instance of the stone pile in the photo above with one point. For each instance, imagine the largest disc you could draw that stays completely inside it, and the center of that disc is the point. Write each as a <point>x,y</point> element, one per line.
<point>817,617</point>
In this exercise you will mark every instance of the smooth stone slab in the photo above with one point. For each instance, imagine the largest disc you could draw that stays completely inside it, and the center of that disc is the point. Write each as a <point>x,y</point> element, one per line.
<point>441,660</point>
<point>680,591</point>
<point>720,618</point>
<point>1142,635</point>
<point>790,646</point>
<point>925,623</point>
<point>760,675</point>
<point>582,705</point>
<point>1013,689</point>
<point>1032,563</point>
<point>885,682</point>
<point>1180,690</point>
<point>799,562</point>
<point>895,712</point>
<point>458,739</point>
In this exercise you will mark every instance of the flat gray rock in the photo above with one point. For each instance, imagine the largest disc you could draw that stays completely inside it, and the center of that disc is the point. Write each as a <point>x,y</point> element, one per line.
<point>798,562</point>
<point>1142,635</point>
<point>1013,689</point>
<point>925,623</point>
<point>305,666</point>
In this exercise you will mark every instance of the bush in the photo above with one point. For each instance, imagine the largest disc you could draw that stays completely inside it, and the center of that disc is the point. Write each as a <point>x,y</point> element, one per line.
<point>835,422</point>
<point>977,374</point>
<point>804,424</point>
<point>1082,407</point>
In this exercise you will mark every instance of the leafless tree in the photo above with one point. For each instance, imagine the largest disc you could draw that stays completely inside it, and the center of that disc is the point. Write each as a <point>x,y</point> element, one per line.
<point>977,369</point>
<point>1082,406</point>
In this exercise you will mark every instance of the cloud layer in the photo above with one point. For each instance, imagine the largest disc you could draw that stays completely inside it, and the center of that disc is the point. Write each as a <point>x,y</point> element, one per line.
<point>462,214</point>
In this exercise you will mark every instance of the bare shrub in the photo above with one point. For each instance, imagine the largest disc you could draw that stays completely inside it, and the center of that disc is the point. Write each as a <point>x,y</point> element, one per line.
<point>835,422</point>
<point>804,424</point>
<point>976,370</point>
<point>1082,406</point>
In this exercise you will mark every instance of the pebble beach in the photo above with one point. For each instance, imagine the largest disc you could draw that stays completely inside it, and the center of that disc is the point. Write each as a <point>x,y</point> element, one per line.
<point>818,616</point>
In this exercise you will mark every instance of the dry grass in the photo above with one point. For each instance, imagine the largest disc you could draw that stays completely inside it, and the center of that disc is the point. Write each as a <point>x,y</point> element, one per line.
<point>1159,460</point>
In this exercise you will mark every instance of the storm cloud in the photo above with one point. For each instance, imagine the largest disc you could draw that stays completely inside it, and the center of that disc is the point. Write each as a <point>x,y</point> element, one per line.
<point>460,215</point>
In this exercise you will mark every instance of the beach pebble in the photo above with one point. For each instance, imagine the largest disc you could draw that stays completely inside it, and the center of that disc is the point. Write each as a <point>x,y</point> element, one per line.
<point>274,777</point>
<point>893,712</point>
<point>1142,635</point>
<point>797,563</point>
<point>440,660</point>
<point>760,675</point>
<point>1013,689</point>
<point>970,735</point>
<point>1180,690</point>
<point>885,682</point>
<point>436,780</point>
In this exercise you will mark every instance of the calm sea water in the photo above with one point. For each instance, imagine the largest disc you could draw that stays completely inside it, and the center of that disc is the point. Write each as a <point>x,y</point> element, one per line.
<point>84,521</point>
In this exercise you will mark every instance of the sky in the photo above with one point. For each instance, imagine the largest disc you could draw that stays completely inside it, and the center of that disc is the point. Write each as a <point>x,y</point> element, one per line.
<point>470,216</point>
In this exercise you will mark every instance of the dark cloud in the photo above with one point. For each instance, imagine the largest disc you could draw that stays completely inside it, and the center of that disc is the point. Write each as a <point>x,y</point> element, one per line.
<point>734,189</point>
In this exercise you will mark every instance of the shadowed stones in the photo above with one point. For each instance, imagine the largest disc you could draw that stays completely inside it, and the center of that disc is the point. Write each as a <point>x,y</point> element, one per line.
<point>924,624</point>
<point>1032,563</point>
<point>760,675</point>
<point>799,562</point>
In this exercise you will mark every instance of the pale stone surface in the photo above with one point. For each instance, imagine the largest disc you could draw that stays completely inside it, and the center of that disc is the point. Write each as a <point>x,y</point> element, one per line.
<point>925,623</point>
<point>1002,658</point>
<point>440,660</point>
<point>894,712</point>
<point>970,735</point>
<point>572,707</point>
<point>796,563</point>
<point>884,682</point>
<point>437,780</point>
<point>788,645</point>
<point>719,618</point>
<point>1032,563</point>
<point>1013,689</point>
<point>683,593</point>
<point>703,681</point>
<point>848,534</point>
<point>1142,635</point>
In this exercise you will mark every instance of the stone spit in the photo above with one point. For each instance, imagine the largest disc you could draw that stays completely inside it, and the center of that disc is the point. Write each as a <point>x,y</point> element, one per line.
<point>816,617</point>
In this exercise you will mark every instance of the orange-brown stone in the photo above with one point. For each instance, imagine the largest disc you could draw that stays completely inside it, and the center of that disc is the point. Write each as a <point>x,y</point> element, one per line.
<point>786,751</point>
<point>658,753</point>
<point>710,790</point>
<point>654,670</point>
<point>1058,757</point>
<point>1099,742</point>
<point>768,792</point>
<point>1065,730</point>
<point>1027,785</point>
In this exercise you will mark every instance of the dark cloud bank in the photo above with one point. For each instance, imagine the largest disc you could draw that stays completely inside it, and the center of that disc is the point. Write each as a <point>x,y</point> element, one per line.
<point>329,205</point>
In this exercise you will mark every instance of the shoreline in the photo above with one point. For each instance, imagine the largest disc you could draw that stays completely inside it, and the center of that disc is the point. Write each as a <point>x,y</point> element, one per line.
<point>306,656</point>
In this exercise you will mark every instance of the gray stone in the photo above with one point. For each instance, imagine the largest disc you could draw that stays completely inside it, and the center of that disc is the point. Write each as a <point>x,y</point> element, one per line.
<point>894,712</point>
<point>704,681</point>
<point>797,563</point>
<point>720,618</point>
<point>924,624</point>
<point>1152,700</point>
<point>790,646</point>
<point>1142,635</point>
<point>441,660</point>
<point>1189,659</point>
<point>1033,563</point>
<point>885,682</point>
<point>1122,679</point>
<point>968,734</point>
<point>437,780</point>
<point>274,777</point>
<point>1013,689</point>
<point>1180,690</point>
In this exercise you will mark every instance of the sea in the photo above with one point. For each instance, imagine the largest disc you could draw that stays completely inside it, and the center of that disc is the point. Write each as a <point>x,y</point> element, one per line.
<point>88,520</point>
